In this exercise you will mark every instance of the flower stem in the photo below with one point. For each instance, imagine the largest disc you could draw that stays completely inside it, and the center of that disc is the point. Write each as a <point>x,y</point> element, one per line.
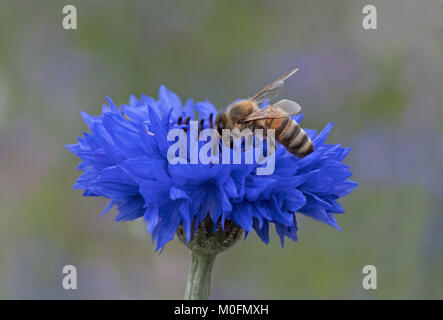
<point>199,276</point>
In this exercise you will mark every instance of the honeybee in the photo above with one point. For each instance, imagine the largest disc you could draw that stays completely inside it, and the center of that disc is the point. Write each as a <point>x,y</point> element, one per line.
<point>246,113</point>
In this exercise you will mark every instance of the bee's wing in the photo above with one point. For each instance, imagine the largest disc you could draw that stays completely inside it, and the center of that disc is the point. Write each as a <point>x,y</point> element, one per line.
<point>280,109</point>
<point>272,89</point>
<point>288,106</point>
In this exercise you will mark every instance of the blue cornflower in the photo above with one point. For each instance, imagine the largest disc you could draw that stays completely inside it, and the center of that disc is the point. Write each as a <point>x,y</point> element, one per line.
<point>124,159</point>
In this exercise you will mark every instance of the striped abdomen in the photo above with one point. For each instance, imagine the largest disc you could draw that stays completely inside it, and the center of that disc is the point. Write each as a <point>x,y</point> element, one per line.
<point>291,135</point>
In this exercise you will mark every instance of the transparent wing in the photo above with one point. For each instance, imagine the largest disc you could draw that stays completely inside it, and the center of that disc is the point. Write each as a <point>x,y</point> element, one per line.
<point>290,107</point>
<point>280,109</point>
<point>272,89</point>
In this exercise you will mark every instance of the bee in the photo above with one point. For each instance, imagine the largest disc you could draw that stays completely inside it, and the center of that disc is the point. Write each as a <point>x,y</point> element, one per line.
<point>246,113</point>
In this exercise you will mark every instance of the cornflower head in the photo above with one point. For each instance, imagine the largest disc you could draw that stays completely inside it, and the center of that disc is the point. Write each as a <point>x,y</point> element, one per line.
<point>209,206</point>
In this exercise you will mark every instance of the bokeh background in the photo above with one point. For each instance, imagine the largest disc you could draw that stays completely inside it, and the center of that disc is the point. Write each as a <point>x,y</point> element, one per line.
<point>382,88</point>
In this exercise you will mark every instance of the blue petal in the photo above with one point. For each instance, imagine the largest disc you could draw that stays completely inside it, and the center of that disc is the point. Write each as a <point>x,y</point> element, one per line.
<point>262,232</point>
<point>113,184</point>
<point>111,204</point>
<point>169,101</point>
<point>321,138</point>
<point>189,110</point>
<point>205,108</point>
<point>176,193</point>
<point>242,216</point>
<point>294,200</point>
<point>131,209</point>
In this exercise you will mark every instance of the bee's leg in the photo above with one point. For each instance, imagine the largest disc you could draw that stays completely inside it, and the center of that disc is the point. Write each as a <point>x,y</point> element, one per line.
<point>248,142</point>
<point>271,146</point>
<point>265,132</point>
<point>221,144</point>
<point>179,120</point>
<point>243,145</point>
<point>227,141</point>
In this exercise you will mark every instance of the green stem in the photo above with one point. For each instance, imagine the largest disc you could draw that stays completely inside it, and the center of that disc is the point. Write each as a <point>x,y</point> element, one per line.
<point>199,276</point>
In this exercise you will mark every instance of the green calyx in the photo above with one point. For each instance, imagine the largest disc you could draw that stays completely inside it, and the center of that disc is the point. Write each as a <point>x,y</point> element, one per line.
<point>205,244</point>
<point>206,241</point>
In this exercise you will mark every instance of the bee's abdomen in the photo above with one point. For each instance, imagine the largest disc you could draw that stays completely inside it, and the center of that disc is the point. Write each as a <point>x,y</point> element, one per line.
<point>293,137</point>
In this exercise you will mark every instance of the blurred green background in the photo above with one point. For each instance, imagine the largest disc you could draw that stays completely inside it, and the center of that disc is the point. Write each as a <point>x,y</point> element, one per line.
<point>382,88</point>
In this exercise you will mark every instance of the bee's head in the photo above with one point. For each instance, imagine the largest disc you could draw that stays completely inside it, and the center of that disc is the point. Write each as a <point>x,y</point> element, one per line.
<point>232,117</point>
<point>220,123</point>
